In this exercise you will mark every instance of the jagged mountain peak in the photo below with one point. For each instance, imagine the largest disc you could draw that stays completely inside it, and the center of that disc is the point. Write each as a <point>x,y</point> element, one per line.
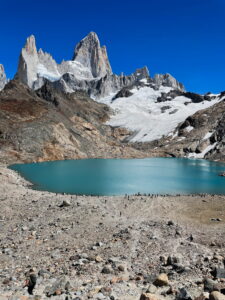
<point>2,70</point>
<point>40,51</point>
<point>30,45</point>
<point>92,35</point>
<point>3,79</point>
<point>89,70</point>
<point>28,61</point>
<point>90,54</point>
<point>142,73</point>
<point>89,41</point>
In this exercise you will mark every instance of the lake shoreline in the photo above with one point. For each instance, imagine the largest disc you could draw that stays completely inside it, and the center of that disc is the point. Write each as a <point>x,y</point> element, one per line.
<point>139,177</point>
<point>107,245</point>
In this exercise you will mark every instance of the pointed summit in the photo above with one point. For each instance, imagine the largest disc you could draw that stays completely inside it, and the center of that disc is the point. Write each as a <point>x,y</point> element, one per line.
<point>35,65</point>
<point>3,79</point>
<point>91,55</point>
<point>28,61</point>
<point>30,45</point>
<point>92,35</point>
<point>2,68</point>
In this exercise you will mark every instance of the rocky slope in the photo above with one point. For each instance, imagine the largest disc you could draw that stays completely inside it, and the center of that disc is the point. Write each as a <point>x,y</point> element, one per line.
<point>3,79</point>
<point>49,125</point>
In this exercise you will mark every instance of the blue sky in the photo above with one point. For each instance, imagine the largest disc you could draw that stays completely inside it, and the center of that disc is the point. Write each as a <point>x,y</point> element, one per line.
<point>183,37</point>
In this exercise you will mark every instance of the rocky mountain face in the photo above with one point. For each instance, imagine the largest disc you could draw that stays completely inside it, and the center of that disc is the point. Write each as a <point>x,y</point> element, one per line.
<point>49,125</point>
<point>3,79</point>
<point>202,135</point>
<point>99,87</point>
<point>89,70</point>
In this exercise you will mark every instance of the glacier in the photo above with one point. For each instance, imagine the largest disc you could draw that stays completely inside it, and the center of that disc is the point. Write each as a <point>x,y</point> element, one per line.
<point>142,114</point>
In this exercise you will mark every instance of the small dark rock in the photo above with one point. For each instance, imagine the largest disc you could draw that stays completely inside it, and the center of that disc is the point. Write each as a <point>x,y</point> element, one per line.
<point>183,294</point>
<point>218,273</point>
<point>170,223</point>
<point>106,270</point>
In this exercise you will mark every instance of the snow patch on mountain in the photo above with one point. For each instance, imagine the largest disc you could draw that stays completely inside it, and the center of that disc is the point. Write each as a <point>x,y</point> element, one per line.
<point>42,71</point>
<point>148,118</point>
<point>189,128</point>
<point>76,68</point>
<point>203,153</point>
<point>207,136</point>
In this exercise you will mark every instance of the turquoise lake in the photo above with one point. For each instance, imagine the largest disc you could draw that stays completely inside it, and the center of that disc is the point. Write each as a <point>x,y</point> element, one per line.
<point>126,176</point>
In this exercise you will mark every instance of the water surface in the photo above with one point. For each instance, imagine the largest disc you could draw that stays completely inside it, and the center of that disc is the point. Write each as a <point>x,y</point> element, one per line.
<point>126,176</point>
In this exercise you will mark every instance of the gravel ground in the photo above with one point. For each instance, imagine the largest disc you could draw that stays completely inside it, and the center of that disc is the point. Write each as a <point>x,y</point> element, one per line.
<point>123,247</point>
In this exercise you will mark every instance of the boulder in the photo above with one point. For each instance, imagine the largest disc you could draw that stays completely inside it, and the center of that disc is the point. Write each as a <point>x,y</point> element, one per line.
<point>148,296</point>
<point>161,280</point>
<point>216,296</point>
<point>210,285</point>
<point>65,203</point>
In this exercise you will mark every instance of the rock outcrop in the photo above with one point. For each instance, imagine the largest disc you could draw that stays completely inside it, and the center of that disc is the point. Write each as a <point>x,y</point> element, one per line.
<point>168,80</point>
<point>3,79</point>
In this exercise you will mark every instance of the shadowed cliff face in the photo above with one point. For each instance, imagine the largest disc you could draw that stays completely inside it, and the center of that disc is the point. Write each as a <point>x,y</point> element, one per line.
<point>49,125</point>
